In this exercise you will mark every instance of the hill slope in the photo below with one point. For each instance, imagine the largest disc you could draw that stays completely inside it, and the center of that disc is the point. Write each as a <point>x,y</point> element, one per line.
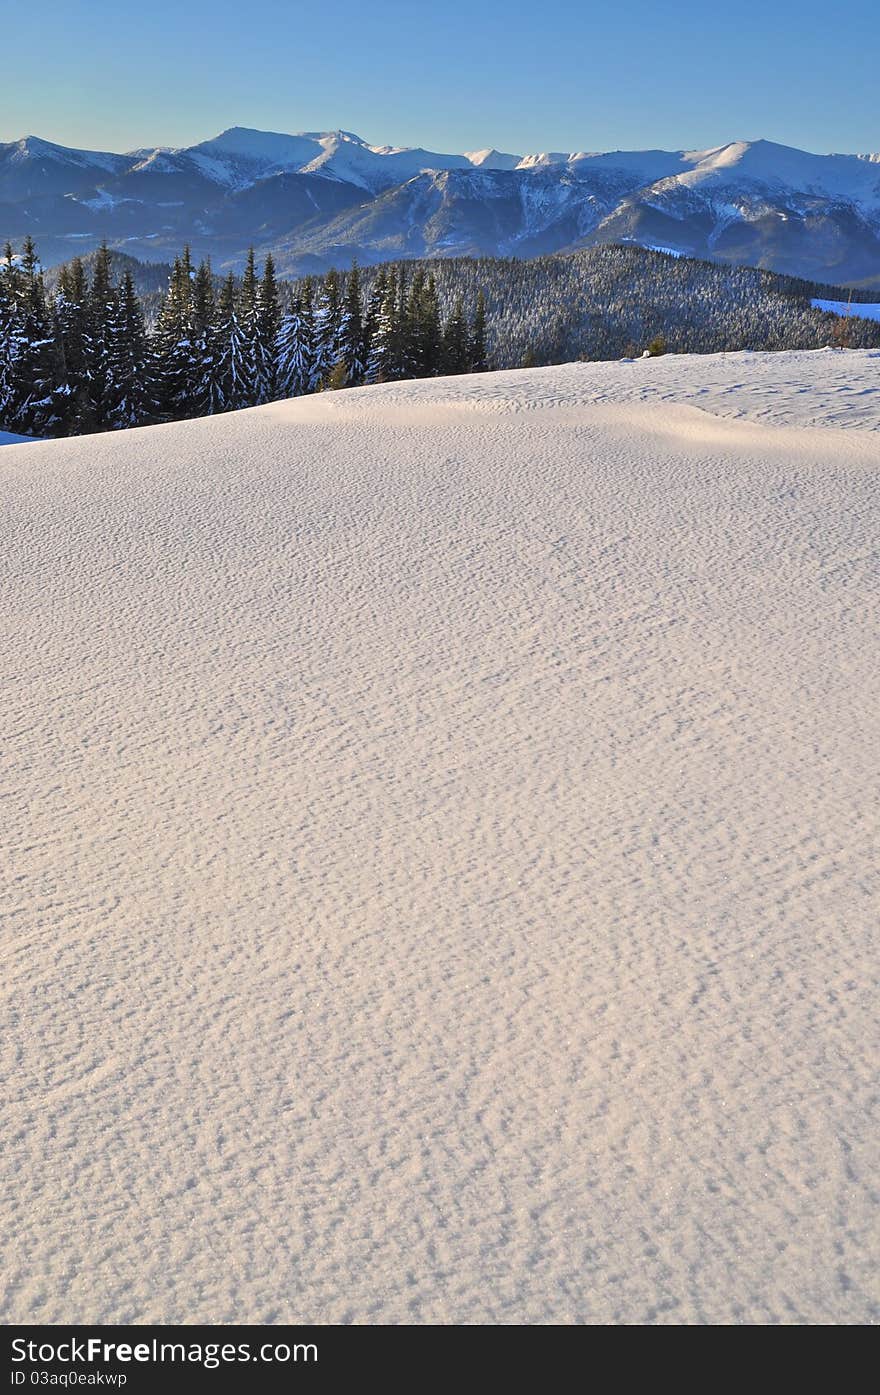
<point>440,826</point>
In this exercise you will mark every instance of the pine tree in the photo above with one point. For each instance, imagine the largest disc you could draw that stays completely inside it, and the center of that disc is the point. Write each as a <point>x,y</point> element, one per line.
<point>10,339</point>
<point>382,358</point>
<point>173,345</point>
<point>328,314</point>
<point>293,351</point>
<point>424,326</point>
<point>266,321</point>
<point>478,363</point>
<point>456,355</point>
<point>248,310</point>
<point>101,310</point>
<point>128,391</point>
<point>338,377</point>
<point>402,339</point>
<point>36,407</point>
<point>375,301</point>
<point>71,310</point>
<point>207,396</point>
<point>352,339</point>
<point>232,370</point>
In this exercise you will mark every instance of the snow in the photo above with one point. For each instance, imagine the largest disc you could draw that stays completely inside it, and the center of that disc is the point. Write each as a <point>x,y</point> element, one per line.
<point>492,159</point>
<point>32,147</point>
<point>765,162</point>
<point>656,247</point>
<point>8,439</point>
<point>440,832</point>
<point>103,200</point>
<point>334,154</point>
<point>843,307</point>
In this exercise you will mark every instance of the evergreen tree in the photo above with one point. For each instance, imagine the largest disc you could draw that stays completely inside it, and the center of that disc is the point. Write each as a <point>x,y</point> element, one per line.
<point>173,345</point>
<point>478,363</point>
<point>328,315</point>
<point>101,312</point>
<point>248,317</point>
<point>72,321</point>
<point>128,392</point>
<point>293,351</point>
<point>424,326</point>
<point>402,365</point>
<point>36,397</point>
<point>266,321</point>
<point>207,395</point>
<point>380,362</point>
<point>338,377</point>
<point>233,368</point>
<point>352,338</point>
<point>10,339</point>
<point>456,355</point>
<point>375,301</point>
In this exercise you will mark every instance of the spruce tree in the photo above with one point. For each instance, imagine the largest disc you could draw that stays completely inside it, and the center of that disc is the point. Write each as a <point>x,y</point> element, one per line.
<point>10,341</point>
<point>36,367</point>
<point>456,354</point>
<point>352,342</point>
<point>72,310</point>
<point>232,370</point>
<point>129,401</point>
<point>248,310</point>
<point>327,322</point>
<point>173,345</point>
<point>478,362</point>
<point>402,337</point>
<point>266,321</point>
<point>293,353</point>
<point>375,302</point>
<point>101,310</point>
<point>381,360</point>
<point>207,396</point>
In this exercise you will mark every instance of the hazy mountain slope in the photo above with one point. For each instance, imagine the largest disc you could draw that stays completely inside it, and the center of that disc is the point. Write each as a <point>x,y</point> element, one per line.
<point>322,196</point>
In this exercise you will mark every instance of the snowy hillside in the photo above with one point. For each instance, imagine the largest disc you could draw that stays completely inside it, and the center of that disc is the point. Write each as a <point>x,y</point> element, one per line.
<point>863,311</point>
<point>440,835</point>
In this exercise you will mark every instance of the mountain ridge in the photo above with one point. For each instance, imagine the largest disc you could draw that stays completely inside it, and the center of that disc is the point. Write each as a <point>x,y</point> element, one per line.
<point>317,197</point>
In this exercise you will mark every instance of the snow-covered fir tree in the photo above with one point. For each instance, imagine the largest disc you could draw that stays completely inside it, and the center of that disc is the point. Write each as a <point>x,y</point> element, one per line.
<point>267,317</point>
<point>233,364</point>
<point>326,336</point>
<point>129,402</point>
<point>293,349</point>
<point>352,340</point>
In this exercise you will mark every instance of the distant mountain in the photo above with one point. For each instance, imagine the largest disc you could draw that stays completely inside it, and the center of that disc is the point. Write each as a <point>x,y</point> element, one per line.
<point>322,198</point>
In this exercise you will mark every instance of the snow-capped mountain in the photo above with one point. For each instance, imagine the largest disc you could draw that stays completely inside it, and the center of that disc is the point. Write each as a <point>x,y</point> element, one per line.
<point>318,198</point>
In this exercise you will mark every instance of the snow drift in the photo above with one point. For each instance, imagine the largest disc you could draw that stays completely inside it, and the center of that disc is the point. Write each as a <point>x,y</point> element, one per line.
<point>440,830</point>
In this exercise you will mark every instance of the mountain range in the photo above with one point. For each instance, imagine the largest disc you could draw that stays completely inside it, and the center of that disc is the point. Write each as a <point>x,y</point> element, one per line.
<point>318,199</point>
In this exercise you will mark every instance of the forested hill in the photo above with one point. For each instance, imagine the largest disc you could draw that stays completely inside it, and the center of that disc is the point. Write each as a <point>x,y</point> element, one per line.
<point>601,302</point>
<point>612,301</point>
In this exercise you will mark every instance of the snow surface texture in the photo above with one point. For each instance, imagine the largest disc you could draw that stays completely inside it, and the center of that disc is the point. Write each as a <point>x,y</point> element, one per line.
<point>848,308</point>
<point>440,832</point>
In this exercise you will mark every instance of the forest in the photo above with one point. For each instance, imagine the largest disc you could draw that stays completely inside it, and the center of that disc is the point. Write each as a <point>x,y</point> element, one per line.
<point>106,342</point>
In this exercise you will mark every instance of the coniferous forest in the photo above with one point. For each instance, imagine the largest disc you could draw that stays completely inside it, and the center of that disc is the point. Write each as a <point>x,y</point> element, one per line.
<point>94,346</point>
<point>82,358</point>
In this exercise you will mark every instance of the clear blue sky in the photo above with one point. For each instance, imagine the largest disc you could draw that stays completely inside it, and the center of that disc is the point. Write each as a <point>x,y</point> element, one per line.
<point>452,75</point>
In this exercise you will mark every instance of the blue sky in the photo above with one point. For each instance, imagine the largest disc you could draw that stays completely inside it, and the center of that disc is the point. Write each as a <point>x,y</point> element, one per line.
<point>449,75</point>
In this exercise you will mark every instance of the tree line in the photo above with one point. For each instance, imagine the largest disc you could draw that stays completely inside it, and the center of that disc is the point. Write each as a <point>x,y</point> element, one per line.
<point>612,301</point>
<point>82,358</point>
